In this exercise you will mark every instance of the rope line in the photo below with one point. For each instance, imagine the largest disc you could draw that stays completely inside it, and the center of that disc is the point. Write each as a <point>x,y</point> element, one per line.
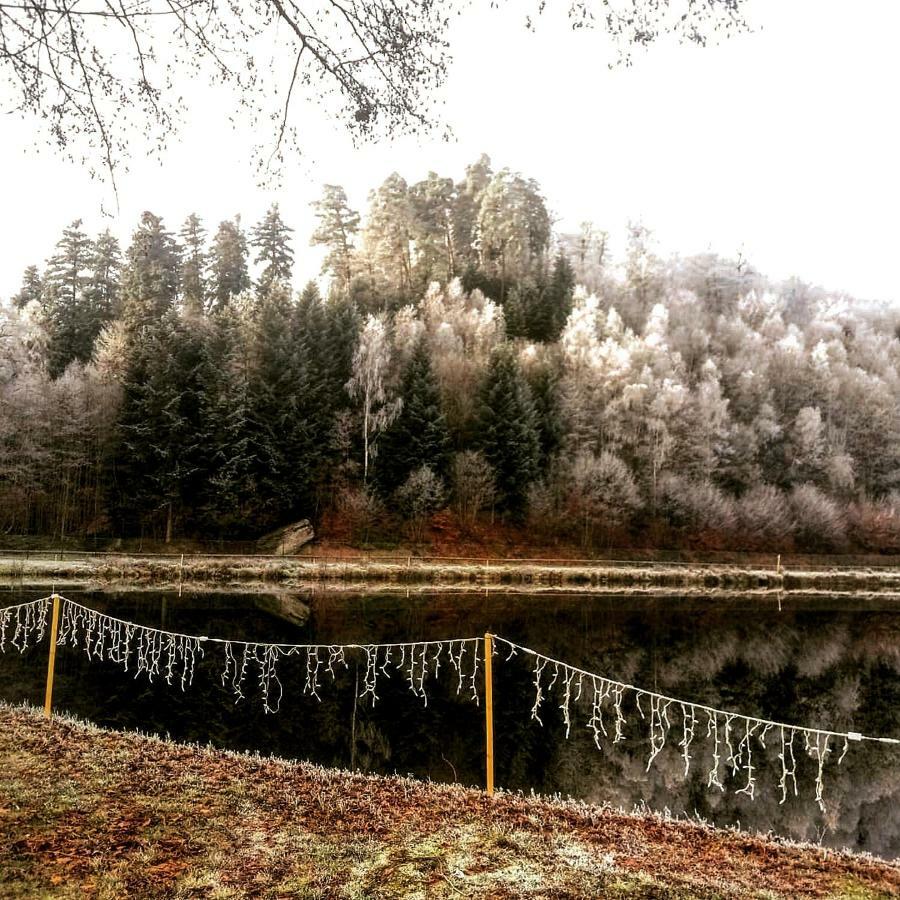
<point>664,698</point>
<point>173,655</point>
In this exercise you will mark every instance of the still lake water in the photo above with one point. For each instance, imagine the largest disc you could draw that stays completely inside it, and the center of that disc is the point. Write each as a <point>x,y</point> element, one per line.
<point>831,662</point>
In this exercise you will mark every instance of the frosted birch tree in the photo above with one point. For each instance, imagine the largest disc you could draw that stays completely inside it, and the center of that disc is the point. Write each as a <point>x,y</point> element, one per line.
<point>371,364</point>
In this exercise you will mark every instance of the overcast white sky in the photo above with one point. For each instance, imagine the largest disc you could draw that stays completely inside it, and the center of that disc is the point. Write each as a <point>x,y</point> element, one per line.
<point>785,142</point>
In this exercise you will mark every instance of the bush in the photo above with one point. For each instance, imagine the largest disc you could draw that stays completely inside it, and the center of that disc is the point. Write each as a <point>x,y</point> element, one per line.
<point>819,523</point>
<point>418,498</point>
<point>764,517</point>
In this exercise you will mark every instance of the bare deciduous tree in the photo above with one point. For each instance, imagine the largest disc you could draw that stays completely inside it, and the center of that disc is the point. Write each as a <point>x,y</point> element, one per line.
<point>95,71</point>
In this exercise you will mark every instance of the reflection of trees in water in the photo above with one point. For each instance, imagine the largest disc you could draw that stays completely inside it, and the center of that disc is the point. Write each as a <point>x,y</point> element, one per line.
<point>808,665</point>
<point>833,670</point>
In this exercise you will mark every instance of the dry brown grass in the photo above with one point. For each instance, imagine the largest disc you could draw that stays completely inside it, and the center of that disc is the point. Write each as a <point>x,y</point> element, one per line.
<point>91,813</point>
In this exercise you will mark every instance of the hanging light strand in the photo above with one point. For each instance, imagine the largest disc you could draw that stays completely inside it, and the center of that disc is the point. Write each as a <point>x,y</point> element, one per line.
<point>24,624</point>
<point>732,736</point>
<point>174,656</point>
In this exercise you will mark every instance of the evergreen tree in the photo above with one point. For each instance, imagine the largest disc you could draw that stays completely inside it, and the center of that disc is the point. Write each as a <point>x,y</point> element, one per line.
<point>508,434</point>
<point>390,227</point>
<point>272,240</point>
<point>32,288</point>
<point>465,211</point>
<point>104,289</point>
<point>338,225</point>
<point>67,312</point>
<point>432,202</point>
<point>150,285</point>
<point>543,379</point>
<point>549,323</point>
<point>418,436</point>
<point>228,267</point>
<point>284,445</point>
<point>230,503</point>
<point>164,450</point>
<point>194,262</point>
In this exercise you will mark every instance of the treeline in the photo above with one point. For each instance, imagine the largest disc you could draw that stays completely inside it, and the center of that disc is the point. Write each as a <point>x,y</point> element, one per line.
<point>182,388</point>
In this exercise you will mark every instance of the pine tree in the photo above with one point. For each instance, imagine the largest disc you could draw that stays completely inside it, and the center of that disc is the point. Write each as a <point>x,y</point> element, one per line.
<point>558,303</point>
<point>390,226</point>
<point>465,211</point>
<point>508,435</point>
<point>164,452</point>
<point>150,284</point>
<point>32,289</point>
<point>194,262</point>
<point>67,311</point>
<point>338,226</point>
<point>432,203</point>
<point>418,436</point>
<point>271,238</point>
<point>228,267</point>
<point>105,285</point>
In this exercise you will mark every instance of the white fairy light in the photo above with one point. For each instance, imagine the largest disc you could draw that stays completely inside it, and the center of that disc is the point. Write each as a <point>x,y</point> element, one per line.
<point>731,736</point>
<point>174,657</point>
<point>24,624</point>
<point>152,652</point>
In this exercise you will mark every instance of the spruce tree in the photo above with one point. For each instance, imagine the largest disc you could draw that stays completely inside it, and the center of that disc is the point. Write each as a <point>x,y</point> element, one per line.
<point>228,265</point>
<point>32,288</point>
<point>418,436</point>
<point>559,300</point>
<point>272,240</point>
<point>150,284</point>
<point>231,495</point>
<point>508,434</point>
<point>164,452</point>
<point>194,263</point>
<point>67,312</point>
<point>105,285</point>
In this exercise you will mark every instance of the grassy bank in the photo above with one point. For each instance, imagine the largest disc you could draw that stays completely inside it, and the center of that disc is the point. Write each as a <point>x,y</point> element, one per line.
<point>90,813</point>
<point>104,569</point>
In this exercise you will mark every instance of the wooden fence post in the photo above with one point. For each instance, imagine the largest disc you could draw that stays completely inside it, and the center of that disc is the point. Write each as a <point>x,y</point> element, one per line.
<point>51,662</point>
<point>489,710</point>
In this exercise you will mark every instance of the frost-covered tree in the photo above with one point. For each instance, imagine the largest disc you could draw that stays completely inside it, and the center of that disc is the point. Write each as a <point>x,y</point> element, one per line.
<point>194,263</point>
<point>368,385</point>
<point>336,232</point>
<point>228,273</point>
<point>272,240</point>
<point>602,494</point>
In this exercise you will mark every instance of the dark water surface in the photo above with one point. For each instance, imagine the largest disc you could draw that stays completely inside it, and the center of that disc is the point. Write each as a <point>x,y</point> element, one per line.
<point>828,662</point>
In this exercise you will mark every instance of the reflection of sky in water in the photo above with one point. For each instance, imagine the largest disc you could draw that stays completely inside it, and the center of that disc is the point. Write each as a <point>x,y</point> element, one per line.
<point>829,662</point>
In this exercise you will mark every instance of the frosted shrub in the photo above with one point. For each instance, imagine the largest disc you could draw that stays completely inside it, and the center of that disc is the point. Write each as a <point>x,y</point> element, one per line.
<point>697,506</point>
<point>764,516</point>
<point>473,485</point>
<point>820,524</point>
<point>418,498</point>
<point>602,492</point>
<point>875,524</point>
<point>359,507</point>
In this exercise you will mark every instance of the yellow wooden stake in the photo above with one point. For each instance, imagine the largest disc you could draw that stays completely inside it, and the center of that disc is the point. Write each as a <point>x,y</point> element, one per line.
<point>51,662</point>
<point>489,709</point>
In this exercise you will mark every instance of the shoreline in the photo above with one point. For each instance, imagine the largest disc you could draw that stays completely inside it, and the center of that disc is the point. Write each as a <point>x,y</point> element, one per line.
<point>192,572</point>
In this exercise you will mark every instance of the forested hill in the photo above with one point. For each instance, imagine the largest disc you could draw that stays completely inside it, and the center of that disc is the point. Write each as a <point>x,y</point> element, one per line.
<point>179,387</point>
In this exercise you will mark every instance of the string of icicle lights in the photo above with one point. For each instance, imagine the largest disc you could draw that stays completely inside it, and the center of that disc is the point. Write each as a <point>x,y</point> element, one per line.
<point>732,735</point>
<point>173,656</point>
<point>605,703</point>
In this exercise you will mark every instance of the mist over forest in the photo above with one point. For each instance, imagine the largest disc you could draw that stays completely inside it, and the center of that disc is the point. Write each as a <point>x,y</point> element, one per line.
<point>465,363</point>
